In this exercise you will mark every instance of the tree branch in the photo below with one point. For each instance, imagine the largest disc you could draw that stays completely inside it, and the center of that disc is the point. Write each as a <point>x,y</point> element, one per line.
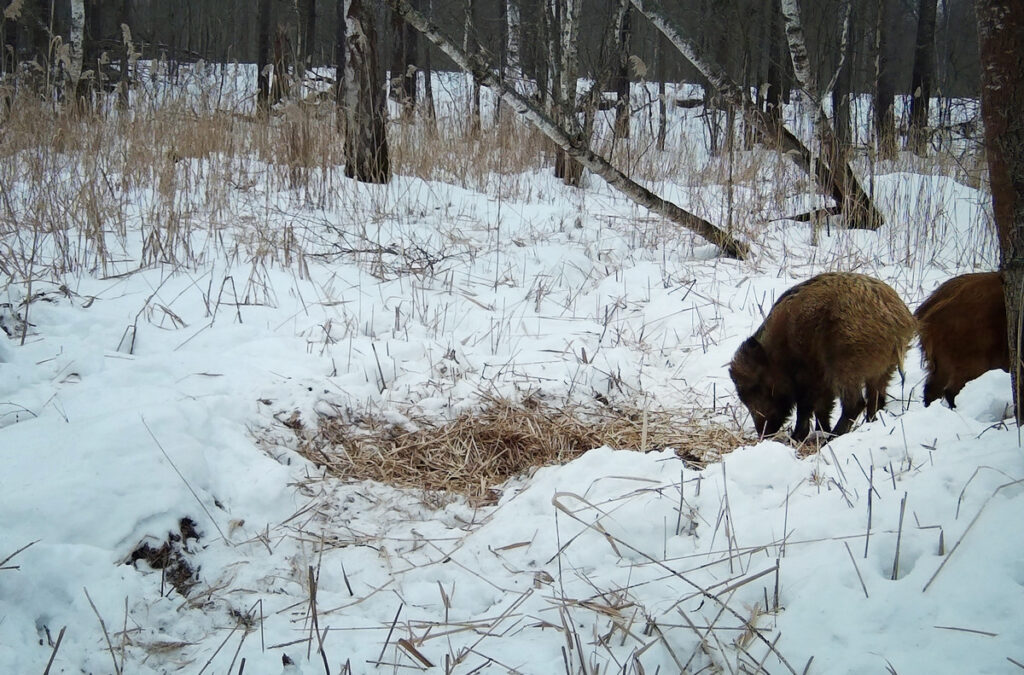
<point>486,74</point>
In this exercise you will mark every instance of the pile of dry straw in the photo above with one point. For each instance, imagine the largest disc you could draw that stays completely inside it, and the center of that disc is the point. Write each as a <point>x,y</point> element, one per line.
<point>476,452</point>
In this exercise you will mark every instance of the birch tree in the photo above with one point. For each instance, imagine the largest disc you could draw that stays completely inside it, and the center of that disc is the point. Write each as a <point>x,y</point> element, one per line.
<point>1001,33</point>
<point>832,151</point>
<point>839,180</point>
<point>75,51</point>
<point>488,75</point>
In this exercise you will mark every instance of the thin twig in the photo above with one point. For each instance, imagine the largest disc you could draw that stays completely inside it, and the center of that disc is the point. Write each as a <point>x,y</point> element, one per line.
<point>103,625</point>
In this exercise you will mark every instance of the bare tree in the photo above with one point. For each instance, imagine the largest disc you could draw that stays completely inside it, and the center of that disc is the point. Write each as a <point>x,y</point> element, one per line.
<point>922,76</point>
<point>362,99</point>
<point>1001,33</point>
<point>623,42</point>
<point>838,179</point>
<point>469,44</point>
<point>76,39</point>
<point>403,65</point>
<point>263,57</point>
<point>488,74</point>
<point>568,66</point>
<point>885,90</point>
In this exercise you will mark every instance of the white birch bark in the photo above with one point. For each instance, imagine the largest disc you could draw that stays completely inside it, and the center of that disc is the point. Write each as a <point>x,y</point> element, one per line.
<point>513,28</point>
<point>77,35</point>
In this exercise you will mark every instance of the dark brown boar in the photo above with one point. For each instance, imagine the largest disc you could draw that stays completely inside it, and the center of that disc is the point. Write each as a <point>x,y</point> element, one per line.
<point>836,334</point>
<point>962,327</point>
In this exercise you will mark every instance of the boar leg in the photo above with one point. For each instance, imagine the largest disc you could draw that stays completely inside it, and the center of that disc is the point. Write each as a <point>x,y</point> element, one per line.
<point>877,389</point>
<point>853,405</point>
<point>823,414</point>
<point>804,410</point>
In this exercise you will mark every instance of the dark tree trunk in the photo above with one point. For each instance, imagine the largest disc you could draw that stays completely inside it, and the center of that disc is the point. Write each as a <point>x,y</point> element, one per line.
<point>623,43</point>
<point>428,86</point>
<point>469,44</point>
<point>263,57</point>
<point>9,45</point>
<point>1001,33</point>
<point>885,90</point>
<point>402,83</point>
<point>366,142</point>
<point>339,59</point>
<point>922,76</point>
<point>127,48</point>
<point>777,57</point>
<point>659,69</point>
<point>308,18</point>
<point>841,94</point>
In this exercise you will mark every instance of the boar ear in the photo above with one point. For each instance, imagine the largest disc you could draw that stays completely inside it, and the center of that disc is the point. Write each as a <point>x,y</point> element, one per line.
<point>753,350</point>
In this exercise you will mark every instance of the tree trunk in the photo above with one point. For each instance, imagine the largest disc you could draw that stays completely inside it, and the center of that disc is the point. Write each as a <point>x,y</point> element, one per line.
<point>622,44</point>
<point>403,66</point>
<point>843,89</point>
<point>567,168</point>
<point>485,73</point>
<point>885,90</point>
<point>777,54</point>
<point>366,142</point>
<point>128,56</point>
<point>75,89</point>
<point>8,44</point>
<point>469,44</point>
<point>923,74</point>
<point>339,63</point>
<point>840,181</point>
<point>428,86</point>
<point>660,73</point>
<point>308,19</point>
<point>263,57</point>
<point>1001,34</point>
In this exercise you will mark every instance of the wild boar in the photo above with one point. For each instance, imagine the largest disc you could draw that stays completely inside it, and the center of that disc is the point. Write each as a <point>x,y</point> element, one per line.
<point>962,328</point>
<point>836,334</point>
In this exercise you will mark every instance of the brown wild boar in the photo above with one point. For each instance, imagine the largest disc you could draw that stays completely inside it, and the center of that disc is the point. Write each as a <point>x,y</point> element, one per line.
<point>835,334</point>
<point>962,326</point>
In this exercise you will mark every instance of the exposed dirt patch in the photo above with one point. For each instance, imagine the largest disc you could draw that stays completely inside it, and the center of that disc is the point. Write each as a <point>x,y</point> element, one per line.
<point>171,557</point>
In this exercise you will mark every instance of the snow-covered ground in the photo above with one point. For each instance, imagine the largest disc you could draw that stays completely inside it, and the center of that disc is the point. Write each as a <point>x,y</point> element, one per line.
<point>142,398</point>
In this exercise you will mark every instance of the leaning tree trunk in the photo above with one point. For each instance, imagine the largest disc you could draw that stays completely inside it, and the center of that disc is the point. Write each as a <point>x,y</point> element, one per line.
<point>840,181</point>
<point>854,203</point>
<point>921,78</point>
<point>885,89</point>
<point>487,74</point>
<point>366,142</point>
<point>1001,33</point>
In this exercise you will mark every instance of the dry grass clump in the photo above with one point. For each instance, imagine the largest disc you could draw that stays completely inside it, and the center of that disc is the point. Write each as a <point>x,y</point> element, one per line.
<point>479,450</point>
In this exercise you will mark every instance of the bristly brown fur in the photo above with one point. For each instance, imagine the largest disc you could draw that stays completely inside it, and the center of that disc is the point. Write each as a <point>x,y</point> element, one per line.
<point>962,328</point>
<point>836,334</point>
